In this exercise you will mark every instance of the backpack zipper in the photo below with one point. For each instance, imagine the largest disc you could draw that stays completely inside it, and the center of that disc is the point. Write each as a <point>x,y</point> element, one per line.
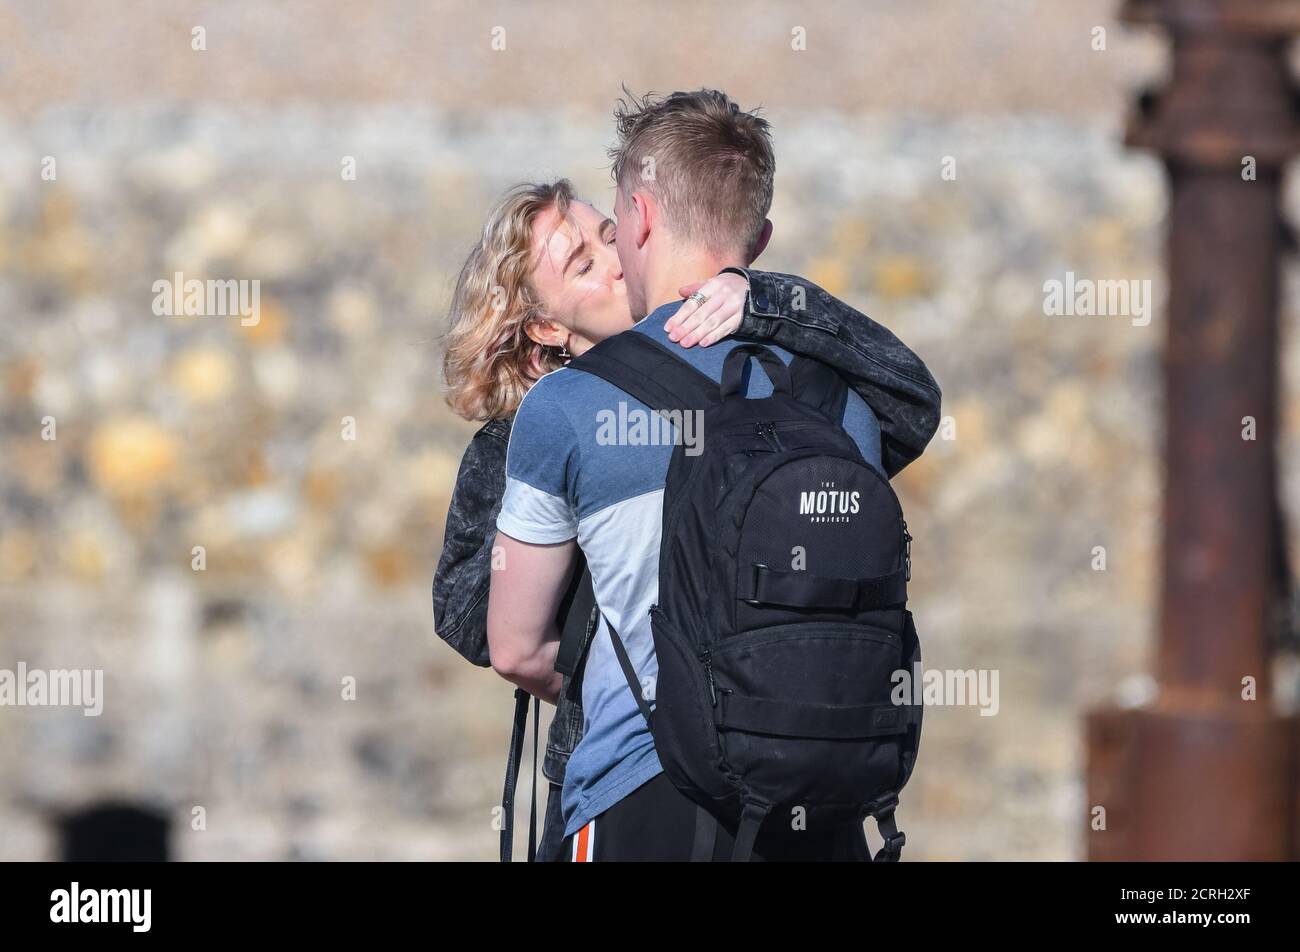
<point>907,553</point>
<point>768,432</point>
<point>706,656</point>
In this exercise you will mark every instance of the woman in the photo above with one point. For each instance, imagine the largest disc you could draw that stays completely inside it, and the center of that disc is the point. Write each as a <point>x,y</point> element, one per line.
<point>512,322</point>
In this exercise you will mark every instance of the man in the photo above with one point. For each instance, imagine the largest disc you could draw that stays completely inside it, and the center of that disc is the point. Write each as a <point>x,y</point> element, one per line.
<point>694,177</point>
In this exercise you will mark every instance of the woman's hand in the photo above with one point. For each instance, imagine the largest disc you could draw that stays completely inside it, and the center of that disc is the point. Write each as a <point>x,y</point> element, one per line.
<point>720,315</point>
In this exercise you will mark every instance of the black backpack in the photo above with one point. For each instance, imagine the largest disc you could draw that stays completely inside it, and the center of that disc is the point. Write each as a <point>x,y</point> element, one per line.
<point>781,616</point>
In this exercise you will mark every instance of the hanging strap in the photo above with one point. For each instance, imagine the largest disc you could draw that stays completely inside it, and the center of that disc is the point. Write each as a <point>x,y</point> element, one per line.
<point>706,836</point>
<point>751,821</point>
<point>532,800</point>
<point>883,811</point>
<point>892,851</point>
<point>761,585</point>
<point>513,757</point>
<point>576,627</point>
<point>629,673</point>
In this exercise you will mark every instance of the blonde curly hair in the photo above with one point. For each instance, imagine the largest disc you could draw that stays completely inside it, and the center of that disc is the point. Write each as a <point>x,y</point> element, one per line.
<point>489,361</point>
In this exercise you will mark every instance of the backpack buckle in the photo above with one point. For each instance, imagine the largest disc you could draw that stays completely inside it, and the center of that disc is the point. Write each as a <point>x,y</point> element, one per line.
<point>907,554</point>
<point>753,585</point>
<point>878,808</point>
<point>882,811</point>
<point>893,847</point>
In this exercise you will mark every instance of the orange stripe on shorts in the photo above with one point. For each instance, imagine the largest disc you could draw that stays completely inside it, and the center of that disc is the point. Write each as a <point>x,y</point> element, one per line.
<point>582,845</point>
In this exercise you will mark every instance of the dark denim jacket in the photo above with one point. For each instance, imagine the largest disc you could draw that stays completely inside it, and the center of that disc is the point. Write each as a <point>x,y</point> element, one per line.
<point>877,365</point>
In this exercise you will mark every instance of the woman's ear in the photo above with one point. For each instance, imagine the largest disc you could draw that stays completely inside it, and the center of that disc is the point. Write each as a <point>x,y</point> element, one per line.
<point>546,332</point>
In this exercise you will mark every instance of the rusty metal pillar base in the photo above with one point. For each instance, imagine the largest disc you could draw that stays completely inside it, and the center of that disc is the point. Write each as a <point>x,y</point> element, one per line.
<point>1196,783</point>
<point>1202,774</point>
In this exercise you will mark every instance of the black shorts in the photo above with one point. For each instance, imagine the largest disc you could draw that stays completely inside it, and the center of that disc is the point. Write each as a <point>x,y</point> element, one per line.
<point>658,823</point>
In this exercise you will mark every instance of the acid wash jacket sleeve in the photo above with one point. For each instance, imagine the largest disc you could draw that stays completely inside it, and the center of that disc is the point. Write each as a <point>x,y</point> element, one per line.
<point>879,367</point>
<point>464,575</point>
<point>460,584</point>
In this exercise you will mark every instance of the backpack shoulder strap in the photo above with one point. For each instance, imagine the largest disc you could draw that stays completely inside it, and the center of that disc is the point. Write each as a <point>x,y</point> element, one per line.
<point>651,373</point>
<point>648,371</point>
<point>818,385</point>
<point>576,611</point>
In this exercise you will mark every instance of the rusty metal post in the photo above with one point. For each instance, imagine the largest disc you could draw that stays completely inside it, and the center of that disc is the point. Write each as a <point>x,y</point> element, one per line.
<point>1202,773</point>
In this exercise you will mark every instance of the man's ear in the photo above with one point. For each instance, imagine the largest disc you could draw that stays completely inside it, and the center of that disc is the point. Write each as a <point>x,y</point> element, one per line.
<point>764,237</point>
<point>647,210</point>
<point>546,332</point>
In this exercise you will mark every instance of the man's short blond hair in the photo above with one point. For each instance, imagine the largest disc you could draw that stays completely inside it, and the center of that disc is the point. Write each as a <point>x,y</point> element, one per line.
<point>709,164</point>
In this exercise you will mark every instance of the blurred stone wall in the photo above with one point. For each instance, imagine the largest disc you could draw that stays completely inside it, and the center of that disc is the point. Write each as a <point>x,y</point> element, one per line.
<point>225,687</point>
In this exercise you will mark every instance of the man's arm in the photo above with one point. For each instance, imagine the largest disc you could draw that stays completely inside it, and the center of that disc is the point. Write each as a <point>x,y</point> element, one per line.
<point>522,606</point>
<point>879,367</point>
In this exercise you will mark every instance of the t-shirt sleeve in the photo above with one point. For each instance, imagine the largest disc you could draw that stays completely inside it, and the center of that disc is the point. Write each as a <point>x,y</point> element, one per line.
<point>863,426</point>
<point>538,503</point>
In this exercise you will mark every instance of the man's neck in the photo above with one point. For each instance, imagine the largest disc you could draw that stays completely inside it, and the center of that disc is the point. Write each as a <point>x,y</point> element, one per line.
<point>679,268</point>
